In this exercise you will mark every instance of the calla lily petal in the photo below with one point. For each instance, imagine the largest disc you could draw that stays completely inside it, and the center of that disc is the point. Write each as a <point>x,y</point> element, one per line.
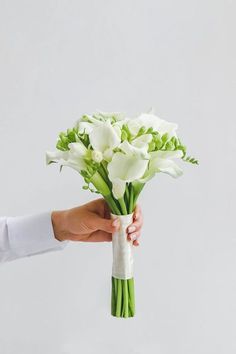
<point>176,154</point>
<point>166,166</point>
<point>144,120</point>
<point>77,149</point>
<point>130,149</point>
<point>56,156</point>
<point>103,137</point>
<point>126,167</point>
<point>148,120</point>
<point>161,161</point>
<point>85,127</point>
<point>118,188</point>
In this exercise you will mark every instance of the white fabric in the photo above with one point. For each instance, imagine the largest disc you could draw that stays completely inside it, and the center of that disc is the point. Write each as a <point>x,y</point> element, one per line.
<point>27,235</point>
<point>123,260</point>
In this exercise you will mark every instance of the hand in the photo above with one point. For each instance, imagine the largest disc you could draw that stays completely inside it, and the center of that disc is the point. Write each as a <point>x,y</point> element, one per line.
<point>91,223</point>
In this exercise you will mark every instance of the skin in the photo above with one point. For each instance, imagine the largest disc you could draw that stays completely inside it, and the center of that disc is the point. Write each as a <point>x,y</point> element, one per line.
<point>91,223</point>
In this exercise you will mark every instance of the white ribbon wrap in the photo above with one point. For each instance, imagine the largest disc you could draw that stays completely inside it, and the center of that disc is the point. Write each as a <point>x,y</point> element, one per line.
<point>123,260</point>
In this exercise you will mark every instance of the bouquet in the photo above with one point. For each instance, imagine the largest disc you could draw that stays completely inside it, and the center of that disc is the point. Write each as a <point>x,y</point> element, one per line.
<point>117,156</point>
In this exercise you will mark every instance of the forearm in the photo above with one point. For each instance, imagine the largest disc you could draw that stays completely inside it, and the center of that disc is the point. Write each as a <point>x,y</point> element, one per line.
<point>27,235</point>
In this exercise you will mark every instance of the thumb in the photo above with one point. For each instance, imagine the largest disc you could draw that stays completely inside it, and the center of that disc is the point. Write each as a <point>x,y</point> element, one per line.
<point>107,225</point>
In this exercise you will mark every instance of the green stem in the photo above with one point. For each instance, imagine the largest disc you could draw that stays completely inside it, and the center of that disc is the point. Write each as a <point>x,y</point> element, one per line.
<point>123,206</point>
<point>131,296</point>
<point>127,194</point>
<point>137,187</point>
<point>112,205</point>
<point>100,184</point>
<point>119,298</point>
<point>126,299</point>
<point>131,199</point>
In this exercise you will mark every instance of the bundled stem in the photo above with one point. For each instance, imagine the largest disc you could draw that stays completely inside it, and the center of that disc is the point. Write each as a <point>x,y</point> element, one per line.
<point>122,294</point>
<point>122,297</point>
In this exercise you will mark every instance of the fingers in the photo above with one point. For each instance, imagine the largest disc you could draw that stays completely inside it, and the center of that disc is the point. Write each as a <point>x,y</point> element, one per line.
<point>134,230</point>
<point>99,236</point>
<point>134,237</point>
<point>107,225</point>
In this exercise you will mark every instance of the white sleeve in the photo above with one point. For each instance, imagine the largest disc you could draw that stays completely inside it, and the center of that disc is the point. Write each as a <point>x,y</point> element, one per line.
<point>27,235</point>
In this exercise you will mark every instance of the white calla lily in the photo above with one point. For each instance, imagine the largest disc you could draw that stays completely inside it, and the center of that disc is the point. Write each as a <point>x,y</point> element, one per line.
<point>104,138</point>
<point>131,149</point>
<point>85,127</point>
<point>162,161</point>
<point>73,158</point>
<point>126,167</point>
<point>56,156</point>
<point>148,120</point>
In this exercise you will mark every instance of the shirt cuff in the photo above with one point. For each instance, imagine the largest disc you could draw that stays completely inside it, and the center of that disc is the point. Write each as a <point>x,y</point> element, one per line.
<point>32,234</point>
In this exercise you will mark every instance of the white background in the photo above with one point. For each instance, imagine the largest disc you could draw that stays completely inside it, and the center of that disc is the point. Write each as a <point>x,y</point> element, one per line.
<point>60,59</point>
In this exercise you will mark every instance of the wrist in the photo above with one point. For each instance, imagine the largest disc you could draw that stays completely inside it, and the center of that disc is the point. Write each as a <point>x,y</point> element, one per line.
<point>58,224</point>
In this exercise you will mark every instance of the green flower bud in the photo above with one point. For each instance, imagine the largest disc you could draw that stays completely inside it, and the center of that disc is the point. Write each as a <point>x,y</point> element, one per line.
<point>174,140</point>
<point>170,146</point>
<point>158,143</point>
<point>59,146</point>
<point>124,135</point>
<point>62,134</point>
<point>65,140</point>
<point>165,137</point>
<point>151,146</point>
<point>141,131</point>
<point>72,136</point>
<point>149,131</point>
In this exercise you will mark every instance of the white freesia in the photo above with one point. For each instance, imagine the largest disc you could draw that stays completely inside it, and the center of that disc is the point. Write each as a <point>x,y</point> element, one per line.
<point>105,138</point>
<point>97,156</point>
<point>126,167</point>
<point>148,120</point>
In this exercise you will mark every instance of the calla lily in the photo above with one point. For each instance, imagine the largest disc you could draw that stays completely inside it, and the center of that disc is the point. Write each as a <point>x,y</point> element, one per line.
<point>126,167</point>
<point>73,158</point>
<point>162,161</point>
<point>152,121</point>
<point>138,148</point>
<point>85,127</point>
<point>104,138</point>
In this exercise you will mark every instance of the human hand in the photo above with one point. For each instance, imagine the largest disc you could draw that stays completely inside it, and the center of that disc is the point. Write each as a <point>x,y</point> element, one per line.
<point>91,223</point>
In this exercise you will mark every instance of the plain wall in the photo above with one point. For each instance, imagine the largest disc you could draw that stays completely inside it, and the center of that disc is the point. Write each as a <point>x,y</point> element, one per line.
<point>60,59</point>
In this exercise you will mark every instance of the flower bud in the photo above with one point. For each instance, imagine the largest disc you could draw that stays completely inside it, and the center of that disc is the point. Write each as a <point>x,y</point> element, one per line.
<point>141,131</point>
<point>151,146</point>
<point>124,135</point>
<point>170,146</point>
<point>165,137</point>
<point>158,143</point>
<point>97,156</point>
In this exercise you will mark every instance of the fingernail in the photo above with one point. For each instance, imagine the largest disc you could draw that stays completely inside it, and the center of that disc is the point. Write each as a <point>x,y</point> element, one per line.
<point>133,237</point>
<point>131,229</point>
<point>136,216</point>
<point>115,222</point>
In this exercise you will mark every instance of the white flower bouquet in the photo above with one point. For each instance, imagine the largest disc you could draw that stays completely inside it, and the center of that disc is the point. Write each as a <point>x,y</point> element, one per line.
<point>117,156</point>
